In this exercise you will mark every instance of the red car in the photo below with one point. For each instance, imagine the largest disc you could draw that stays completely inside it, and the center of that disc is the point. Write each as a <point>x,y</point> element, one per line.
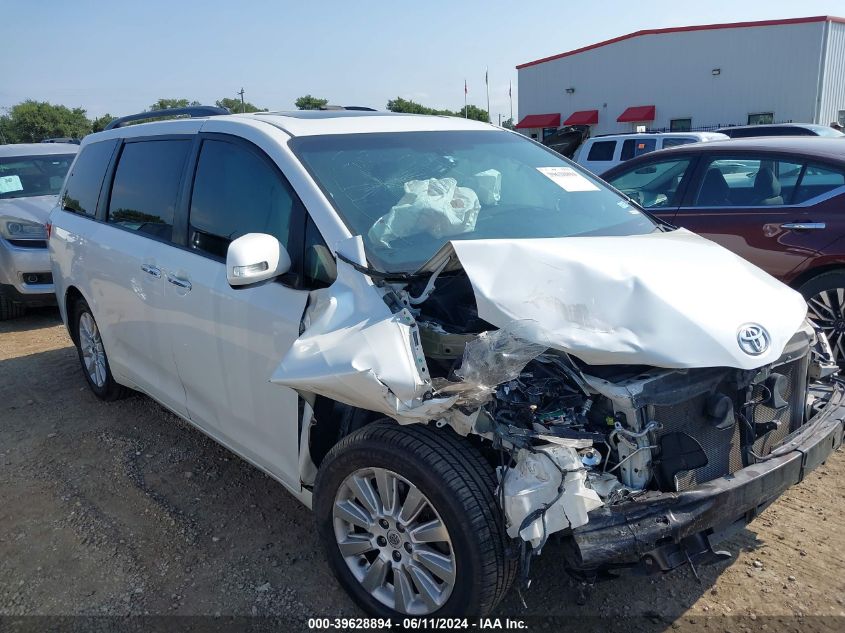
<point>779,202</point>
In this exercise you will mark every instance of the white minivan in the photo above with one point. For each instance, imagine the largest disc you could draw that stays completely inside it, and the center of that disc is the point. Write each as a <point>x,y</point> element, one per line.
<point>600,153</point>
<point>448,340</point>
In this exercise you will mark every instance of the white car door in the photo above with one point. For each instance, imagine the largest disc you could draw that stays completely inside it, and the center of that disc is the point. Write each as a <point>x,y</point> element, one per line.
<point>129,286</point>
<point>227,342</point>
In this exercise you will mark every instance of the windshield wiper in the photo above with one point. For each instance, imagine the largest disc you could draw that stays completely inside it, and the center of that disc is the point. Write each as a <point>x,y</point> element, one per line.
<point>378,274</point>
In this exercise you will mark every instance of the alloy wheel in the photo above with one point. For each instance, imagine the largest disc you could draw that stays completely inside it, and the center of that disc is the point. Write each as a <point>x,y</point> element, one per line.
<point>827,310</point>
<point>394,541</point>
<point>93,353</point>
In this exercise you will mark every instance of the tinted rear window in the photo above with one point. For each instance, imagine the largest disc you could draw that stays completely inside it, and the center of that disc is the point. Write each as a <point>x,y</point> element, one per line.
<point>146,185</point>
<point>86,178</point>
<point>633,147</point>
<point>602,150</point>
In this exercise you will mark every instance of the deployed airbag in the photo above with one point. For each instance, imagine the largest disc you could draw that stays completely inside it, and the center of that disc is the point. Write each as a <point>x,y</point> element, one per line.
<point>436,206</point>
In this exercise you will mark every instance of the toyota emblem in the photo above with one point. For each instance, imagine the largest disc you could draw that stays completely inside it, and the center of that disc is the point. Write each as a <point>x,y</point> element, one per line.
<point>753,339</point>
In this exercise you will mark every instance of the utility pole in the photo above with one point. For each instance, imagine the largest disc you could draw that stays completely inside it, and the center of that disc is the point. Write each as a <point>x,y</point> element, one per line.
<point>500,119</point>
<point>510,96</point>
<point>487,85</point>
<point>243,104</point>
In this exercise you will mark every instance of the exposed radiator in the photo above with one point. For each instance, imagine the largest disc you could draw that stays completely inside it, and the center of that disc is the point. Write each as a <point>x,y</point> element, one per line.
<point>724,447</point>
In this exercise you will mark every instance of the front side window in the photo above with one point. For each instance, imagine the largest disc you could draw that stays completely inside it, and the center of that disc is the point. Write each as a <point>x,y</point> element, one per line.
<point>146,186</point>
<point>236,192</point>
<point>634,147</point>
<point>27,176</point>
<point>408,193</point>
<point>319,265</point>
<point>86,177</point>
<point>747,182</point>
<point>602,150</point>
<point>654,185</point>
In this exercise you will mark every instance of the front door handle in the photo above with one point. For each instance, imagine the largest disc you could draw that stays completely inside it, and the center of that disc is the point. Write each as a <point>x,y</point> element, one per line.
<point>178,281</point>
<point>154,271</point>
<point>804,226</point>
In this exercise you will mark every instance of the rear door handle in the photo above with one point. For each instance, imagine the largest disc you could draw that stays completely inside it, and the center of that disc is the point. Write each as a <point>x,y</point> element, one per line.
<point>154,271</point>
<point>178,281</point>
<point>804,226</point>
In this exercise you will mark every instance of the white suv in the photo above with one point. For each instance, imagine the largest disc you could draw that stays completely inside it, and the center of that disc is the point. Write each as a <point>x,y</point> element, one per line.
<point>31,174</point>
<point>445,338</point>
<point>600,153</point>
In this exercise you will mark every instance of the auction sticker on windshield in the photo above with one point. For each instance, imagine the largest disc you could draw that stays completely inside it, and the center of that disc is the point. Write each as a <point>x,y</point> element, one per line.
<point>567,179</point>
<point>10,183</point>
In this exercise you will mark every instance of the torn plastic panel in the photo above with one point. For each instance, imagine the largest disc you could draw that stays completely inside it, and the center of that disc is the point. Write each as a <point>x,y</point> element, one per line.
<point>355,350</point>
<point>546,492</point>
<point>490,359</point>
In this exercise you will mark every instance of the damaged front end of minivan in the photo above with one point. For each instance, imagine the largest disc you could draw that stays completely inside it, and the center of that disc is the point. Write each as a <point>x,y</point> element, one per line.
<point>639,408</point>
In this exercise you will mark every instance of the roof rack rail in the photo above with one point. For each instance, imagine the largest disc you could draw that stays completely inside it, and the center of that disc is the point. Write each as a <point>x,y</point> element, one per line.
<point>191,112</point>
<point>340,107</point>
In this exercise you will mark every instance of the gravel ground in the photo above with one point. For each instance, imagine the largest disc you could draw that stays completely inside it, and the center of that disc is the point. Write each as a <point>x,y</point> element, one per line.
<point>122,509</point>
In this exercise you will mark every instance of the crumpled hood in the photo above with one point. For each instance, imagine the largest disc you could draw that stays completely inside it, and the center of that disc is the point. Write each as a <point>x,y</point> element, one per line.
<point>670,299</point>
<point>33,209</point>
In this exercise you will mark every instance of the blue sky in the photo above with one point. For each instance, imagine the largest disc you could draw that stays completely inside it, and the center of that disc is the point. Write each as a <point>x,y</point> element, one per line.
<point>119,56</point>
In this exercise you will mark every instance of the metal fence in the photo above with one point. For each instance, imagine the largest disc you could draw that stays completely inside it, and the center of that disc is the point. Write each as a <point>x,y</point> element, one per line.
<point>709,128</point>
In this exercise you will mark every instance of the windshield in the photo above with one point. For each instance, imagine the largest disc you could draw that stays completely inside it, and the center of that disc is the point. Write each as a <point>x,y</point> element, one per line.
<point>823,130</point>
<point>408,193</point>
<point>26,176</point>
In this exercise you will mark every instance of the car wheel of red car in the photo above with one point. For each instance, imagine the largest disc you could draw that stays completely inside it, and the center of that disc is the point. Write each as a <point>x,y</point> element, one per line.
<point>825,296</point>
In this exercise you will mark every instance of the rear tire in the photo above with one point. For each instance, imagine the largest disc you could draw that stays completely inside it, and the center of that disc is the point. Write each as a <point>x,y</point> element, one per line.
<point>92,354</point>
<point>10,309</point>
<point>466,557</point>
<point>825,297</point>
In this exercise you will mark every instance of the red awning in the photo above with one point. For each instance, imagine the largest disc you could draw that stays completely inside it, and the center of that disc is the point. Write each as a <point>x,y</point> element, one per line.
<point>540,120</point>
<point>583,117</point>
<point>634,114</point>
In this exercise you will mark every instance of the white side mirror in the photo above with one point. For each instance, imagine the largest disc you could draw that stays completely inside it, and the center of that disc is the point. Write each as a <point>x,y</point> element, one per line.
<point>255,257</point>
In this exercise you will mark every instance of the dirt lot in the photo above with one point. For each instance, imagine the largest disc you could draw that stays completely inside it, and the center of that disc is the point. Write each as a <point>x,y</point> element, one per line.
<point>116,509</point>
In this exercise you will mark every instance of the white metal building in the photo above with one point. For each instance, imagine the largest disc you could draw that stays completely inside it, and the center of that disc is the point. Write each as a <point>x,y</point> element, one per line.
<point>692,77</point>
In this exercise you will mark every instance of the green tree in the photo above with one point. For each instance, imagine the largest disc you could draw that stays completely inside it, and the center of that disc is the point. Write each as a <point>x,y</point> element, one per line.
<point>99,124</point>
<point>508,124</point>
<point>234,105</point>
<point>310,103</point>
<point>412,107</point>
<point>166,104</point>
<point>474,112</point>
<point>33,121</point>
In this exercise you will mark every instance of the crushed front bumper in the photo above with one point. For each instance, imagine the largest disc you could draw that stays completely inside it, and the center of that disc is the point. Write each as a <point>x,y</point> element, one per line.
<point>664,530</point>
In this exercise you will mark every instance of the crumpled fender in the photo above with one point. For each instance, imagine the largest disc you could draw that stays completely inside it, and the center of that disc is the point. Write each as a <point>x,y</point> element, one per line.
<point>353,349</point>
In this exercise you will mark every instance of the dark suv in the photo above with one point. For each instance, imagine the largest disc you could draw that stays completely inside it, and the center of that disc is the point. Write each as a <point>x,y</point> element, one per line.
<point>778,202</point>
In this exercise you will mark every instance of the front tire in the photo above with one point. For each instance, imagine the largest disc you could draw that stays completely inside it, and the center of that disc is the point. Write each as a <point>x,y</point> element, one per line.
<point>10,309</point>
<point>92,354</point>
<point>409,522</point>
